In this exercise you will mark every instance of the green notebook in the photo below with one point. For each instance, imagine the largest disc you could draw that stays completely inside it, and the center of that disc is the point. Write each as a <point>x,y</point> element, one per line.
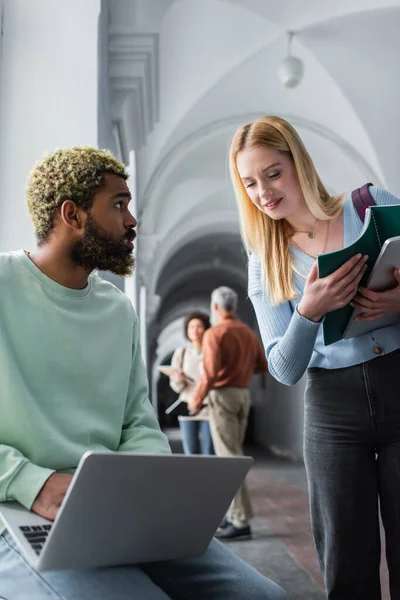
<point>381,223</point>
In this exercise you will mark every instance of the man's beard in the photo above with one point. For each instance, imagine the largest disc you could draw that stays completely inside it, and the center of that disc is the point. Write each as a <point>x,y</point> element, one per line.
<point>99,250</point>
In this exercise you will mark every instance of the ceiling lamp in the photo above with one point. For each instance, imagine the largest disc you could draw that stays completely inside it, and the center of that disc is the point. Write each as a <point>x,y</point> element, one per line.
<point>291,69</point>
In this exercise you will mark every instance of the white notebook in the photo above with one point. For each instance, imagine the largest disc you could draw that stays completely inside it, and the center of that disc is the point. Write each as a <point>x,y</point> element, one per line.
<point>381,279</point>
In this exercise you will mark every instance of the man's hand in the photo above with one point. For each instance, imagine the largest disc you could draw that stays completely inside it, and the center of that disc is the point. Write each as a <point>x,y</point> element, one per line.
<point>50,497</point>
<point>374,305</point>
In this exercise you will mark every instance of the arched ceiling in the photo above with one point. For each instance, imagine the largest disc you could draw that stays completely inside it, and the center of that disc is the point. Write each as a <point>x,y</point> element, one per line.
<point>216,69</point>
<point>201,43</point>
<point>200,266</point>
<point>208,252</point>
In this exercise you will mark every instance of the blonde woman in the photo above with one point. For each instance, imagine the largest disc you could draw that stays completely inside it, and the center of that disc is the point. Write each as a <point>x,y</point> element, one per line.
<point>352,407</point>
<point>188,361</point>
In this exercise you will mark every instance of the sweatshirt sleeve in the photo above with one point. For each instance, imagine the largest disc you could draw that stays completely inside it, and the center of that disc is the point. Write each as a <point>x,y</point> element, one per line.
<point>141,432</point>
<point>20,479</point>
<point>288,337</point>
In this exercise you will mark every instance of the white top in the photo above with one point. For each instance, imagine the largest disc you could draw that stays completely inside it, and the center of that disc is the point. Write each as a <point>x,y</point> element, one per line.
<point>190,360</point>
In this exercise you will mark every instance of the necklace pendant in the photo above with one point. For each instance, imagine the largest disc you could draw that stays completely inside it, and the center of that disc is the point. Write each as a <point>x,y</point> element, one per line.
<point>311,235</point>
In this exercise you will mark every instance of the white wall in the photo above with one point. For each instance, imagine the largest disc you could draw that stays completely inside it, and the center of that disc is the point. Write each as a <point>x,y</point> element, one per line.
<point>49,85</point>
<point>106,138</point>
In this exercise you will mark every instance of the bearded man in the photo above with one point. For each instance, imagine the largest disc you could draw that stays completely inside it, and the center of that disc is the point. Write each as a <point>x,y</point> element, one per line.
<point>72,380</point>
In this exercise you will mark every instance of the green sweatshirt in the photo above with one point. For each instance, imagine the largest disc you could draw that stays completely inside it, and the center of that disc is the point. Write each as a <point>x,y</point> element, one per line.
<point>71,377</point>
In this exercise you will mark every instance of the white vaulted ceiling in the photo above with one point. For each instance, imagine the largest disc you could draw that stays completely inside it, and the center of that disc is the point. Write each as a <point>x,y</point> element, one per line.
<point>216,69</point>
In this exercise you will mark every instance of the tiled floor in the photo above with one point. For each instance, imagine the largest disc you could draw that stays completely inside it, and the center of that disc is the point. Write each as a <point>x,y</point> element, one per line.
<point>282,546</point>
<point>279,493</point>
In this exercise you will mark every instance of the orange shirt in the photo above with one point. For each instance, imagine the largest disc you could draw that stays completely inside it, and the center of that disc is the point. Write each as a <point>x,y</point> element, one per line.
<point>232,354</point>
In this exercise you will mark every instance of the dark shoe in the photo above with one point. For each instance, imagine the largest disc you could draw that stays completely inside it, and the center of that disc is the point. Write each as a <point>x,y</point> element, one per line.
<point>230,532</point>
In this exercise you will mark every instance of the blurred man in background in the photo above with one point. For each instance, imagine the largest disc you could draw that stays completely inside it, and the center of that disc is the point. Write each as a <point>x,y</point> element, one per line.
<point>232,355</point>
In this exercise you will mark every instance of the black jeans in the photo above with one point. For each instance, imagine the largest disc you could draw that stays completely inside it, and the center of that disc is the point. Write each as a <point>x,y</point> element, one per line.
<point>352,455</point>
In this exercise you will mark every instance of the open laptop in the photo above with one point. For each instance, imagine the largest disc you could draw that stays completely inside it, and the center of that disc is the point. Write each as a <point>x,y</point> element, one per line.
<point>130,508</point>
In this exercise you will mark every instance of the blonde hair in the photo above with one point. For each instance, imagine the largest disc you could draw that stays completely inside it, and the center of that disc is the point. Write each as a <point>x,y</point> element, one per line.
<point>266,237</point>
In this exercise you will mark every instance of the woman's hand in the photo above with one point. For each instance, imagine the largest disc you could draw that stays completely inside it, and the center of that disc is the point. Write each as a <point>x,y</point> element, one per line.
<point>374,305</point>
<point>183,378</point>
<point>325,294</point>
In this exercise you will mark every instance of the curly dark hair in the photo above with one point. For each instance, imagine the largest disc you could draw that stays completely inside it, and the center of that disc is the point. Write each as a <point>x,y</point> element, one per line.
<point>67,174</point>
<point>203,317</point>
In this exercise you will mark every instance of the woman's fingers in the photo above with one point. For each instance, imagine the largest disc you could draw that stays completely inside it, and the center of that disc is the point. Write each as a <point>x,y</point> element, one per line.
<point>371,295</point>
<point>348,298</point>
<point>339,288</point>
<point>361,302</point>
<point>370,317</point>
<point>350,288</point>
<point>355,274</point>
<point>313,274</point>
<point>350,268</point>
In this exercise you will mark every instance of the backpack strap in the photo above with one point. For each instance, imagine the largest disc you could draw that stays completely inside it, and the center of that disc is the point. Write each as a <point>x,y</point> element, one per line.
<point>182,359</point>
<point>362,199</point>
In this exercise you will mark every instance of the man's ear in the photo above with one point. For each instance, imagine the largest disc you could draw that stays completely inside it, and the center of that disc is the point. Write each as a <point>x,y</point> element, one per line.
<point>72,215</point>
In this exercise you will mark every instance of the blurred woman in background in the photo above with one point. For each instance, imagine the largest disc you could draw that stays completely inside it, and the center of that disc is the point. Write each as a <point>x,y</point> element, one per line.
<point>188,363</point>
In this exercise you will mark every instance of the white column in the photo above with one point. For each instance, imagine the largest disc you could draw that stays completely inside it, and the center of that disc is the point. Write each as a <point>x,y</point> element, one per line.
<point>130,283</point>
<point>142,322</point>
<point>49,92</point>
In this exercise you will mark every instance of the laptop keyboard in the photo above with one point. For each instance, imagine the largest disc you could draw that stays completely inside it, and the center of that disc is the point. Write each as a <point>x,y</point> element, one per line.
<point>36,535</point>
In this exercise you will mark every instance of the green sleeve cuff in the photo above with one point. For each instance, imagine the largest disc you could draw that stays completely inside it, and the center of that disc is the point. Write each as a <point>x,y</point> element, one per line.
<point>27,484</point>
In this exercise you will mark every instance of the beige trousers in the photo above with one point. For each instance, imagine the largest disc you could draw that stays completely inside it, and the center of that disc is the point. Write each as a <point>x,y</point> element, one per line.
<point>229,412</point>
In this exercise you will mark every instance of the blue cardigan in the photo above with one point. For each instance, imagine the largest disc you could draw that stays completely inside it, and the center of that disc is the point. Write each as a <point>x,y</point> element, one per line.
<point>293,343</point>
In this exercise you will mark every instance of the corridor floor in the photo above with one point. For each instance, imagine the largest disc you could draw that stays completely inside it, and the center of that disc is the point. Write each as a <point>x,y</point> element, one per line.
<point>282,546</point>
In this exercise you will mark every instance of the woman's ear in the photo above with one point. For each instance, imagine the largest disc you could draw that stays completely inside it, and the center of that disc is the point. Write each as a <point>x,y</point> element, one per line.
<point>72,215</point>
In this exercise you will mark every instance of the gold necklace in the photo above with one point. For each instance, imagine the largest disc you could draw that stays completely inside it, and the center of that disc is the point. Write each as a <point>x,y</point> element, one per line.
<point>309,232</point>
<point>325,244</point>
